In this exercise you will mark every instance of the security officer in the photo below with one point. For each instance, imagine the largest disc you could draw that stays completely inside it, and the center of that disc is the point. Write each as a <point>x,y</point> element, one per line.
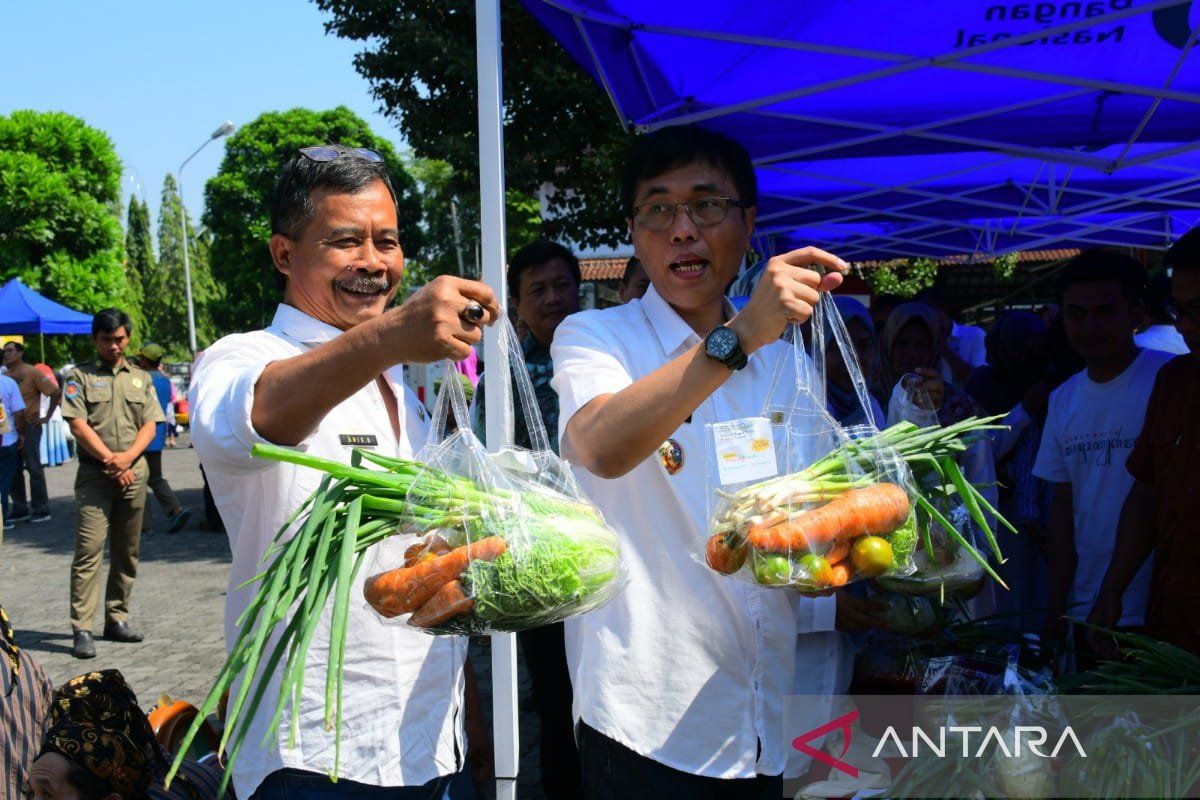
<point>112,409</point>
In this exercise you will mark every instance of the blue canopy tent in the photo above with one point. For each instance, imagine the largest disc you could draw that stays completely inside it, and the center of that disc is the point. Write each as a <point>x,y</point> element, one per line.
<point>974,127</point>
<point>24,311</point>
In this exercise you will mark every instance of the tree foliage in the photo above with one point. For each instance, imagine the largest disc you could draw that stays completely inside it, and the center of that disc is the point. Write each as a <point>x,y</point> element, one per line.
<point>60,227</point>
<point>559,128</point>
<point>166,290</point>
<point>238,197</point>
<point>902,278</point>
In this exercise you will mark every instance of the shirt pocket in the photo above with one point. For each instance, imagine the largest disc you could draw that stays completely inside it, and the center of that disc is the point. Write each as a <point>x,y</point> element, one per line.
<point>97,395</point>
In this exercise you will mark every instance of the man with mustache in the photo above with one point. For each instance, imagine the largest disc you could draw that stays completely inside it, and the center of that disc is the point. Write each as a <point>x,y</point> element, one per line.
<point>325,377</point>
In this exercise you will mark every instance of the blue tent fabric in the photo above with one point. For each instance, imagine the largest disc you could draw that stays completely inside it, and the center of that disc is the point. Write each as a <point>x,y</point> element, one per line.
<point>973,126</point>
<point>24,311</point>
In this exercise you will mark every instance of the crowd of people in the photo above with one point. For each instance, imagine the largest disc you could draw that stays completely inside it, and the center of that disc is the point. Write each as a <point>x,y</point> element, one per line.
<point>677,685</point>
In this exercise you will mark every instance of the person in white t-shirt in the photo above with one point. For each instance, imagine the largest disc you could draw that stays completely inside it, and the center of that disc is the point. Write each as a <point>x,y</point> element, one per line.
<point>1159,332</point>
<point>680,681</point>
<point>1092,423</point>
<point>325,372</point>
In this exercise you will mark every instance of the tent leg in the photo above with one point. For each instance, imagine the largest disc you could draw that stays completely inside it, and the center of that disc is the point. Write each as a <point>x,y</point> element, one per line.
<point>498,406</point>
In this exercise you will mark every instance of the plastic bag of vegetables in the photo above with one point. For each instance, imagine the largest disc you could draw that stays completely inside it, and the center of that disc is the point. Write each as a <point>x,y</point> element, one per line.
<point>513,545</point>
<point>799,501</point>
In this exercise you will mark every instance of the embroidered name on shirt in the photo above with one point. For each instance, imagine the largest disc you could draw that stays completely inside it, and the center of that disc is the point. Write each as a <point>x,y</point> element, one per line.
<point>358,439</point>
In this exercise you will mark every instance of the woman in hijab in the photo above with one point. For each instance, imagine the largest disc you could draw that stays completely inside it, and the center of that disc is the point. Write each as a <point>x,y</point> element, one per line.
<point>99,746</point>
<point>841,395</point>
<point>910,370</point>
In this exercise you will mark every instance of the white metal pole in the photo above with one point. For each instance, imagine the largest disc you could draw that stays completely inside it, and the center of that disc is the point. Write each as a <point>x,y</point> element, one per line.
<point>497,405</point>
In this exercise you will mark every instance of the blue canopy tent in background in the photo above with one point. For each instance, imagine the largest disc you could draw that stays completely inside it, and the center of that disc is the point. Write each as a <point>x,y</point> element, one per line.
<point>891,129</point>
<point>24,311</point>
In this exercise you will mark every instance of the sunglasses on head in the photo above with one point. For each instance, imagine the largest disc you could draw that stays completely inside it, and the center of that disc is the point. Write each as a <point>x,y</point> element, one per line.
<point>322,153</point>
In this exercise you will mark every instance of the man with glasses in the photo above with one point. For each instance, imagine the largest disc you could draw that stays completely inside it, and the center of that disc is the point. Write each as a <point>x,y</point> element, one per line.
<point>1159,515</point>
<point>680,681</point>
<point>34,384</point>
<point>326,376</point>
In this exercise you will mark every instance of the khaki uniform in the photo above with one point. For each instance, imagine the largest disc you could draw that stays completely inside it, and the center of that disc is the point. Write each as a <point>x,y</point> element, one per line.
<point>115,403</point>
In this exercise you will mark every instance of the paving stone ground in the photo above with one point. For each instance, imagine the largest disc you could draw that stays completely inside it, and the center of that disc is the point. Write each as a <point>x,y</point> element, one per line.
<point>178,603</point>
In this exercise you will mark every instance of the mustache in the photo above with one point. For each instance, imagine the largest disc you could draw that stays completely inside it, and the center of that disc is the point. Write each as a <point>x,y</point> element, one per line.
<point>365,284</point>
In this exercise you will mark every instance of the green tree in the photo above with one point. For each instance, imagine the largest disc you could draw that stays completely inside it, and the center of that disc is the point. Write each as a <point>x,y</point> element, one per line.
<point>166,292</point>
<point>559,127</point>
<point>140,264</point>
<point>238,197</point>
<point>60,226</point>
<point>442,207</point>
<point>903,278</point>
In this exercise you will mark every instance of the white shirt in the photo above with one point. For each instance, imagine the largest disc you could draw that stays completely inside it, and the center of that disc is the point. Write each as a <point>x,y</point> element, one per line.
<point>1162,337</point>
<point>12,402</point>
<point>402,695</point>
<point>1090,431</point>
<point>969,343</point>
<point>685,666</point>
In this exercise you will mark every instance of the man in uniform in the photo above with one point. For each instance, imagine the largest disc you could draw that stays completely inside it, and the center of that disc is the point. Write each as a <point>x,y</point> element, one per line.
<point>112,409</point>
<point>150,359</point>
<point>34,383</point>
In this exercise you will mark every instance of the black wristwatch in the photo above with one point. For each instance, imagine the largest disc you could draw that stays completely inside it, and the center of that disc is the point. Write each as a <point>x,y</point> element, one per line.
<point>722,346</point>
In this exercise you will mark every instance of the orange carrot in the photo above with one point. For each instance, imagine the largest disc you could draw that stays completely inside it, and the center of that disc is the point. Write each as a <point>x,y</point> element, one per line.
<point>449,602</point>
<point>838,551</point>
<point>724,553</point>
<point>839,575</point>
<point>424,550</point>
<point>406,589</point>
<point>877,509</point>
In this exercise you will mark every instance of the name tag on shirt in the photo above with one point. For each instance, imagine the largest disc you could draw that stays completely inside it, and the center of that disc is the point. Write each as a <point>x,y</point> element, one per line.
<point>745,450</point>
<point>358,439</point>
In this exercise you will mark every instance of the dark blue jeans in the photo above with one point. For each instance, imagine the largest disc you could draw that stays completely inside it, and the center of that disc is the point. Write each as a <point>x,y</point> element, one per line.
<point>296,784</point>
<point>612,771</point>
<point>8,468</point>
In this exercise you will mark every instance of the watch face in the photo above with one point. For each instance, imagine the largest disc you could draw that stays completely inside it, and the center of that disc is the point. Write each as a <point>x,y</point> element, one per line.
<point>721,343</point>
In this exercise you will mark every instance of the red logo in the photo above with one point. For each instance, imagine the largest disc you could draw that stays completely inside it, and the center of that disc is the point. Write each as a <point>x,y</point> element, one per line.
<point>842,723</point>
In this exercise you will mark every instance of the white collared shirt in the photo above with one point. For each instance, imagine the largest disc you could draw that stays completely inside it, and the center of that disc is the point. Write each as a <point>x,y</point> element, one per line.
<point>685,666</point>
<point>403,689</point>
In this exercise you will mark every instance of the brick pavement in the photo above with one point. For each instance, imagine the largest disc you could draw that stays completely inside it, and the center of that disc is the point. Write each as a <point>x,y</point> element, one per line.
<point>178,603</point>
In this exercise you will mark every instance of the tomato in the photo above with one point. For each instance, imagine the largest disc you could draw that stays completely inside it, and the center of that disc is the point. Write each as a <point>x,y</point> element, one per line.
<point>814,571</point>
<point>772,570</point>
<point>723,557</point>
<point>871,556</point>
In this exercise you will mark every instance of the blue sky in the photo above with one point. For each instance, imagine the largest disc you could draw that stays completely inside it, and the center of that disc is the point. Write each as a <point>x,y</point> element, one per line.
<point>160,77</point>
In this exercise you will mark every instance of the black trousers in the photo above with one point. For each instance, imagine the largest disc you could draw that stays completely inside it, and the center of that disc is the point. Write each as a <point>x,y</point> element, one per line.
<point>546,660</point>
<point>612,771</point>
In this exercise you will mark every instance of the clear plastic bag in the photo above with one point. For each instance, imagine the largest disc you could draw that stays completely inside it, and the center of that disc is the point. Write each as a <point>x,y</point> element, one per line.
<point>797,500</point>
<point>524,547</point>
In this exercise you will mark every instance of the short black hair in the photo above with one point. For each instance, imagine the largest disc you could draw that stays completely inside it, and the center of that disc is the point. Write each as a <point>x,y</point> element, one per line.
<point>534,255</point>
<point>20,347</point>
<point>670,148</point>
<point>291,204</point>
<point>1104,264</point>
<point>1185,253</point>
<point>631,267</point>
<point>110,320</point>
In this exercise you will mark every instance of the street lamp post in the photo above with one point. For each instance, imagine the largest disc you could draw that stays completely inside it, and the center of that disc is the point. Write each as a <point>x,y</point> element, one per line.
<point>224,130</point>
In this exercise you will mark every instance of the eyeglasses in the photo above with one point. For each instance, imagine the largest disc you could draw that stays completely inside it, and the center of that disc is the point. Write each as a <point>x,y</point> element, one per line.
<point>1191,313</point>
<point>321,153</point>
<point>704,212</point>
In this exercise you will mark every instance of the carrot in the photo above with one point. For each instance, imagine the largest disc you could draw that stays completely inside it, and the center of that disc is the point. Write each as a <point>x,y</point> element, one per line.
<point>838,551</point>
<point>839,575</point>
<point>725,553</point>
<point>404,589</point>
<point>877,509</point>
<point>449,602</point>
<point>424,550</point>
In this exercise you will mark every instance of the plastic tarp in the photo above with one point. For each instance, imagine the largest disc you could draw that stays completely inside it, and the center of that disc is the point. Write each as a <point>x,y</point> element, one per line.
<point>921,122</point>
<point>24,311</point>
